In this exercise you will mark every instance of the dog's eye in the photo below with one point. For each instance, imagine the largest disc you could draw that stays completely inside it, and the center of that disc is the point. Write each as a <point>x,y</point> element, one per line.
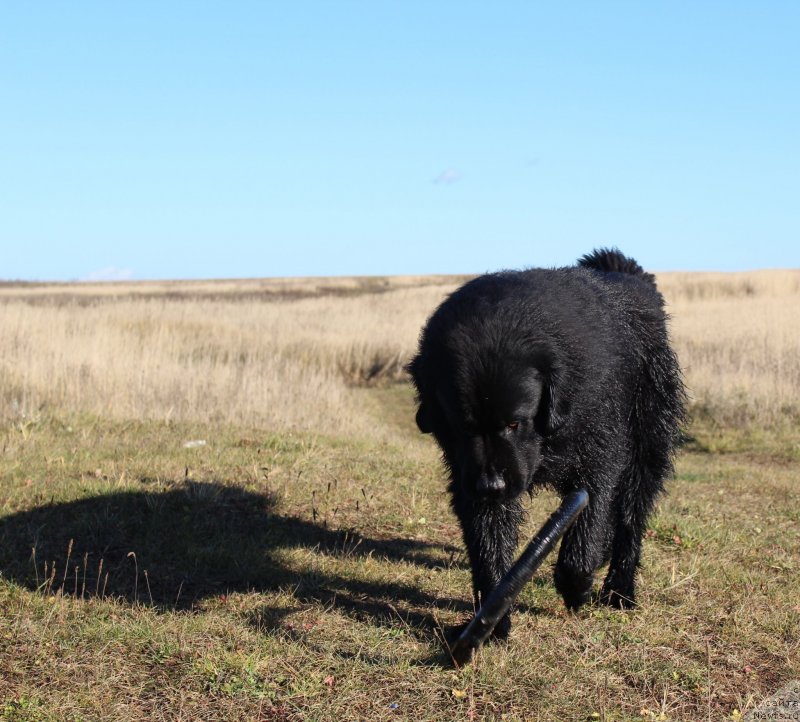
<point>513,426</point>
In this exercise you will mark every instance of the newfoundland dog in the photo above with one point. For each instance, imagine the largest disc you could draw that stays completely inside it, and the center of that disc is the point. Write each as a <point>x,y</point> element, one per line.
<point>561,378</point>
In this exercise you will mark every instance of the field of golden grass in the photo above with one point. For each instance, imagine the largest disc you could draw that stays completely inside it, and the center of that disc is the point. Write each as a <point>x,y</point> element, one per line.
<point>294,353</point>
<point>738,342</point>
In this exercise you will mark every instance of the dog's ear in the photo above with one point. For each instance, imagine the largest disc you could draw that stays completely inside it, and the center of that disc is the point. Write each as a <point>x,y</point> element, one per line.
<point>554,403</point>
<point>553,410</point>
<point>423,420</point>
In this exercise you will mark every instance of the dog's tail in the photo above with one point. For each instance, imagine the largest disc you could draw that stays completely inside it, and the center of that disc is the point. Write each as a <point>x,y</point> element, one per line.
<point>612,260</point>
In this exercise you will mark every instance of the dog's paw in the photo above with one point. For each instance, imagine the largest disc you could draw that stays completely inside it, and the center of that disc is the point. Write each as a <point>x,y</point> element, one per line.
<point>574,586</point>
<point>502,630</point>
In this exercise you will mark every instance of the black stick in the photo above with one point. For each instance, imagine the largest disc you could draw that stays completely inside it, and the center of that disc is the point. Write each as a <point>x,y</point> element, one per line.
<point>504,594</point>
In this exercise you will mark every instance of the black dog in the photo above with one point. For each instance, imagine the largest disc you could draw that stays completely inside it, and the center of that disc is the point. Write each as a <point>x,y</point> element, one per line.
<point>561,378</point>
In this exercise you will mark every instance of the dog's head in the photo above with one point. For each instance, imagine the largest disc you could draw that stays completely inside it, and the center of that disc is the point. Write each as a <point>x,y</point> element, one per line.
<point>490,412</point>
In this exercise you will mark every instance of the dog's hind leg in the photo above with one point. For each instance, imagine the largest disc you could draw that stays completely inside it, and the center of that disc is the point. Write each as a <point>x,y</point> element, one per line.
<point>642,483</point>
<point>619,587</point>
<point>658,411</point>
<point>491,533</point>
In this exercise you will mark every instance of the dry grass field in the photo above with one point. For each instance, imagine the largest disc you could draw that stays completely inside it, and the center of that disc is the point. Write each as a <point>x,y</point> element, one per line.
<point>279,354</point>
<point>289,353</point>
<point>301,562</point>
<point>738,341</point>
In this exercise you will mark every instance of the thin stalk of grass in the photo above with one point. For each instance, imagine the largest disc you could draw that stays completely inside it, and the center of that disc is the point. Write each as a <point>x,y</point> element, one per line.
<point>136,577</point>
<point>35,567</point>
<point>99,576</point>
<point>51,580</point>
<point>85,565</point>
<point>66,566</point>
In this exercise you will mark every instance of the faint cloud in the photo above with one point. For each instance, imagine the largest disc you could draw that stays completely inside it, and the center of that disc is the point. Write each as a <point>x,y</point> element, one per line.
<point>109,273</point>
<point>448,176</point>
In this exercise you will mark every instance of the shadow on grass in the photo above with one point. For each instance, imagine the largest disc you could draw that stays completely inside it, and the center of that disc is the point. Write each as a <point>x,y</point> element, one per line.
<point>175,548</point>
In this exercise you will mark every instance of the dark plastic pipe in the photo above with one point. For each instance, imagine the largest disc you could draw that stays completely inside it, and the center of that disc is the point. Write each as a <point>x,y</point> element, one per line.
<point>500,600</point>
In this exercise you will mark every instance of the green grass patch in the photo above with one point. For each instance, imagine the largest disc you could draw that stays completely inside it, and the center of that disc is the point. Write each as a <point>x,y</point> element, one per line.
<point>263,576</point>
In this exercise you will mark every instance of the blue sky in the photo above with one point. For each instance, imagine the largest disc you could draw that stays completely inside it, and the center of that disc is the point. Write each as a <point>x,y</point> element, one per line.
<point>199,139</point>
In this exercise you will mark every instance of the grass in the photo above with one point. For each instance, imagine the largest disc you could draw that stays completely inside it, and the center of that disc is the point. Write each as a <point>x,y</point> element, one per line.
<point>734,333</point>
<point>293,569</point>
<point>292,353</point>
<point>288,577</point>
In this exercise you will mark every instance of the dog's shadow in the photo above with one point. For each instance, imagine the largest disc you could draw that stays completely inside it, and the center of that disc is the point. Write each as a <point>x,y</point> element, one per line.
<point>172,549</point>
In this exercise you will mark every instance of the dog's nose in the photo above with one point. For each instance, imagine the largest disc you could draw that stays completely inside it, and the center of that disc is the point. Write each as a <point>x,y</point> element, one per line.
<point>491,485</point>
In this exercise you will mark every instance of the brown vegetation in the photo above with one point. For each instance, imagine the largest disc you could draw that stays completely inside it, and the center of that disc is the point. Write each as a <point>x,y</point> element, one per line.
<point>286,353</point>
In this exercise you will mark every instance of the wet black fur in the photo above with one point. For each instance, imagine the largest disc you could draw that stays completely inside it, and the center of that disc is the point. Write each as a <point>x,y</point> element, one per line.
<point>561,378</point>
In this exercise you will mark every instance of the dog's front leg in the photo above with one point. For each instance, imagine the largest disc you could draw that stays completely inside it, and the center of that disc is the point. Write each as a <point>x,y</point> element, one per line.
<point>584,549</point>
<point>491,532</point>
